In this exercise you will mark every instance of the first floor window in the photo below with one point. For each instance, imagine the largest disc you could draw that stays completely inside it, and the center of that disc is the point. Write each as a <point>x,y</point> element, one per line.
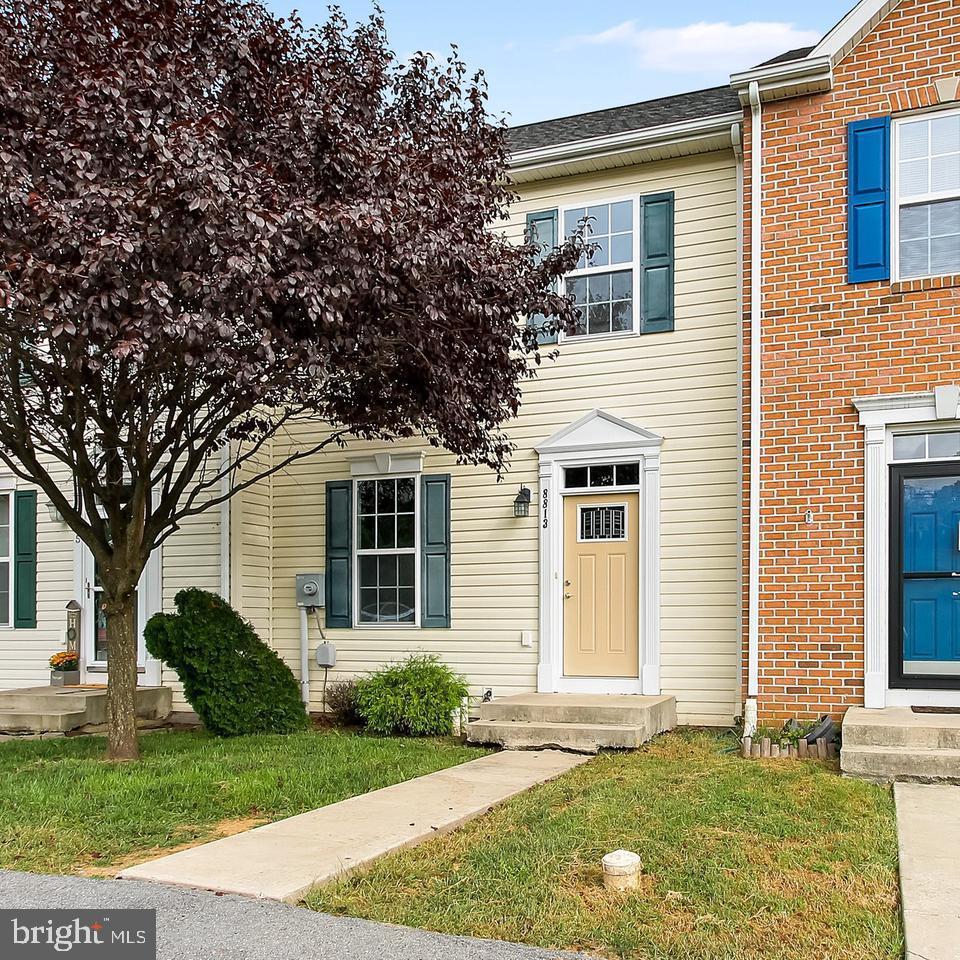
<point>6,558</point>
<point>386,538</point>
<point>927,167</point>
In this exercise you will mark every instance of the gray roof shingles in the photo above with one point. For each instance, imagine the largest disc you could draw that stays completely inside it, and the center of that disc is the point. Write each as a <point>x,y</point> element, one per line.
<point>696,105</point>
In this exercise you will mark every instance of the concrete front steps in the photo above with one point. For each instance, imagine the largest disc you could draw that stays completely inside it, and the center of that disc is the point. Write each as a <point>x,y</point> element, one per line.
<point>583,723</point>
<point>45,711</point>
<point>898,744</point>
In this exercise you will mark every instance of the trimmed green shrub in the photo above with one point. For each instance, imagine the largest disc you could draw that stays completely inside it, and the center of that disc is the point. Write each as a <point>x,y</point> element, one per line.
<point>414,698</point>
<point>233,680</point>
<point>342,702</point>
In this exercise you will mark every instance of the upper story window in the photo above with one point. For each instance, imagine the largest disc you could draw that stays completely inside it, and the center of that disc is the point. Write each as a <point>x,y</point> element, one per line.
<point>627,285</point>
<point>927,191</point>
<point>603,286</point>
<point>6,558</point>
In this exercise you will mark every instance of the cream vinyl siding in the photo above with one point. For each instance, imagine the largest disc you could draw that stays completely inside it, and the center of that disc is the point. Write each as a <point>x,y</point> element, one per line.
<point>191,557</point>
<point>681,385</point>
<point>24,653</point>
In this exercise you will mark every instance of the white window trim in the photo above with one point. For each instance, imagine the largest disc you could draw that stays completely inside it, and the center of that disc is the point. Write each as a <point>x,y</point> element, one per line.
<point>395,551</point>
<point>8,492</point>
<point>149,602</point>
<point>589,271</point>
<point>895,204</point>
<point>882,418</point>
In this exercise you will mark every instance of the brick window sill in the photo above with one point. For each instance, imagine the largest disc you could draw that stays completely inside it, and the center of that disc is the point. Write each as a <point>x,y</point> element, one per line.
<point>927,283</point>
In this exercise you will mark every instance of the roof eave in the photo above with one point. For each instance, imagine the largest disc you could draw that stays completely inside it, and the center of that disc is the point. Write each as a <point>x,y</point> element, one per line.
<point>683,137</point>
<point>781,80</point>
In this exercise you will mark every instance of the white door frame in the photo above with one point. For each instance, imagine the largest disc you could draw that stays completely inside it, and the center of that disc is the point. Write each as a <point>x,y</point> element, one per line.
<point>881,418</point>
<point>149,602</point>
<point>598,437</point>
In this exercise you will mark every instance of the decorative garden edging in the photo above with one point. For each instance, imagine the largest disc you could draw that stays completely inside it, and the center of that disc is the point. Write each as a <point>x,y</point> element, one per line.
<point>768,748</point>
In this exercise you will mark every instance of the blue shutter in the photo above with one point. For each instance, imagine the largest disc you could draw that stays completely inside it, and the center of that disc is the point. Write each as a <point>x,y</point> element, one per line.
<point>543,227</point>
<point>25,558</point>
<point>868,200</point>
<point>435,551</point>
<point>656,263</point>
<point>339,582</point>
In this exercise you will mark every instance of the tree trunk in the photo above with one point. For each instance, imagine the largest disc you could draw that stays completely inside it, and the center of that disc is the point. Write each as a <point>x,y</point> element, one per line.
<point>122,676</point>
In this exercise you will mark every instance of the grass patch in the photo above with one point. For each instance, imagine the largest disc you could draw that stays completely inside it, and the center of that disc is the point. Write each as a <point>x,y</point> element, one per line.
<point>63,809</point>
<point>760,859</point>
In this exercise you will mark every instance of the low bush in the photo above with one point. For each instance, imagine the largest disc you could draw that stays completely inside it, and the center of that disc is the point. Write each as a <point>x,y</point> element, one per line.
<point>342,702</point>
<point>414,698</point>
<point>233,680</point>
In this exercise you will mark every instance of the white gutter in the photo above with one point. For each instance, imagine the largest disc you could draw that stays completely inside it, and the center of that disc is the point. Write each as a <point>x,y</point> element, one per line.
<point>628,140</point>
<point>756,409</point>
<point>811,73</point>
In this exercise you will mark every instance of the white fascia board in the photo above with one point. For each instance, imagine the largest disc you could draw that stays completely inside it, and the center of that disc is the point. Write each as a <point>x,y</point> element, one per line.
<point>811,75</point>
<point>649,138</point>
<point>814,72</point>
<point>853,28</point>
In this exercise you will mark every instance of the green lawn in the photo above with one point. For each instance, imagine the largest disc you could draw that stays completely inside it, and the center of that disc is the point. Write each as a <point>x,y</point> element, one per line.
<point>64,809</point>
<point>743,859</point>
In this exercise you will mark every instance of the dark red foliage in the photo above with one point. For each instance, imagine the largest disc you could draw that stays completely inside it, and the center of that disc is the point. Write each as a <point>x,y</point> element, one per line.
<point>213,222</point>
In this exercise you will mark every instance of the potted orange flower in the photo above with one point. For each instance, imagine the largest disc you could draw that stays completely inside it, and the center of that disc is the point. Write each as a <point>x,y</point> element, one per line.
<point>65,669</point>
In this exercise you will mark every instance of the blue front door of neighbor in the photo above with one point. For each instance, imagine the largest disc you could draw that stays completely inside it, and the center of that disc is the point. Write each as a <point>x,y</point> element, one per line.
<point>929,573</point>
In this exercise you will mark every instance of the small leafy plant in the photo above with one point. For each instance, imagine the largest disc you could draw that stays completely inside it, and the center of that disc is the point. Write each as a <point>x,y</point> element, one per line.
<point>416,697</point>
<point>65,661</point>
<point>342,702</point>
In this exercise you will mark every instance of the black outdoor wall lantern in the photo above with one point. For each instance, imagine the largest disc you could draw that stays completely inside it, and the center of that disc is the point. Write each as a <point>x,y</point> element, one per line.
<point>521,505</point>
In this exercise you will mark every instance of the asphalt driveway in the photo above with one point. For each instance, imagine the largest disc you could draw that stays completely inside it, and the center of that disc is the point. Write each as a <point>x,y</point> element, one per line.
<point>194,925</point>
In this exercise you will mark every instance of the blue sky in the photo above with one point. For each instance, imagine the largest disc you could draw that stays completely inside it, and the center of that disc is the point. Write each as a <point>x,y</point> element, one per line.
<point>551,58</point>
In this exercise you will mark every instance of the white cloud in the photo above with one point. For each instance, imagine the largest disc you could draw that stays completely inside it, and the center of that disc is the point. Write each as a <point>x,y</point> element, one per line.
<point>702,47</point>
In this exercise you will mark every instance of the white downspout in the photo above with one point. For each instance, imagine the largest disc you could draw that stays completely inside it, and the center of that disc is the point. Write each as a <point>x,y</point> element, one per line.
<point>304,658</point>
<point>225,484</point>
<point>756,357</point>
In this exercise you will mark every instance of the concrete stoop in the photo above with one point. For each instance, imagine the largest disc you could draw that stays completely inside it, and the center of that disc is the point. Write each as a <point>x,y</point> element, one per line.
<point>897,744</point>
<point>583,723</point>
<point>58,710</point>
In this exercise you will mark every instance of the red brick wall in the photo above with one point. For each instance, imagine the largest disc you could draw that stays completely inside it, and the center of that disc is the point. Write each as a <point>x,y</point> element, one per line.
<point>825,342</point>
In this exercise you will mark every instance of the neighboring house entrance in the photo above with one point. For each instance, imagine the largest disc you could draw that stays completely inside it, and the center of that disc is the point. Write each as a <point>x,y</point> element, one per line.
<point>601,585</point>
<point>94,647</point>
<point>925,571</point>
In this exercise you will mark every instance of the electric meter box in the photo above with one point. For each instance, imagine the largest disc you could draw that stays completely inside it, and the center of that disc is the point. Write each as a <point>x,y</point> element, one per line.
<point>310,591</point>
<point>326,655</point>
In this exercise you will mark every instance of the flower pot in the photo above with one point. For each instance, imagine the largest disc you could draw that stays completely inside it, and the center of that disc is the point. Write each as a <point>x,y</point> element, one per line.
<point>64,678</point>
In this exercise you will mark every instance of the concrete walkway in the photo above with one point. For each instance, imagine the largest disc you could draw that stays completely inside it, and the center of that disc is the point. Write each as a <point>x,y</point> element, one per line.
<point>283,860</point>
<point>928,832</point>
<point>195,925</point>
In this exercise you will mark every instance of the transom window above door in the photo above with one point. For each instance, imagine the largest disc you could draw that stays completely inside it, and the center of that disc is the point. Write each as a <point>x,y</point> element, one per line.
<point>386,550</point>
<point>936,445</point>
<point>928,195</point>
<point>600,475</point>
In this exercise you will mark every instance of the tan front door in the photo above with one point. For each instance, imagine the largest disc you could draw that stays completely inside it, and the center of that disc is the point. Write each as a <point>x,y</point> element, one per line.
<point>601,583</point>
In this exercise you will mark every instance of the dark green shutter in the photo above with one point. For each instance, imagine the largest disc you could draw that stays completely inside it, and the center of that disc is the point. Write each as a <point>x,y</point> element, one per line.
<point>339,582</point>
<point>25,558</point>
<point>543,227</point>
<point>435,551</point>
<point>656,263</point>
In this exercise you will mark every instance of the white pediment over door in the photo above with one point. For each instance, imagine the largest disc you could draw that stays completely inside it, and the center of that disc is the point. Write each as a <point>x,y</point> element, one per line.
<point>599,430</point>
